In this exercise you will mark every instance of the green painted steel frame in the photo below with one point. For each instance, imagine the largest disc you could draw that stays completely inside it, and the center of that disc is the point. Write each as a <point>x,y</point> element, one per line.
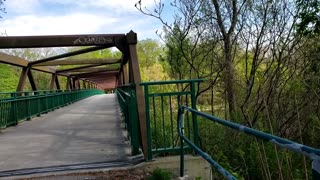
<point>19,106</point>
<point>191,92</point>
<point>128,105</point>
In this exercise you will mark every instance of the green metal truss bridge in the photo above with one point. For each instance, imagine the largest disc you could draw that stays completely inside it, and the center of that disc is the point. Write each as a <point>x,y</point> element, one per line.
<point>79,127</point>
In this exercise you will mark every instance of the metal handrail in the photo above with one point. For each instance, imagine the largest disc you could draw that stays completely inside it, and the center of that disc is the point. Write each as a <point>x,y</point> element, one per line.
<point>16,108</point>
<point>170,82</point>
<point>312,153</point>
<point>127,101</point>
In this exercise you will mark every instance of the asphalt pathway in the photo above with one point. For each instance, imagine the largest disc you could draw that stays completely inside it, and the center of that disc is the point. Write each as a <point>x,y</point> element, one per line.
<point>87,131</point>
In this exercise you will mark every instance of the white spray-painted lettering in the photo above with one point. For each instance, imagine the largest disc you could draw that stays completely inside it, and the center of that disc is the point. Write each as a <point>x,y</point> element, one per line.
<point>92,40</point>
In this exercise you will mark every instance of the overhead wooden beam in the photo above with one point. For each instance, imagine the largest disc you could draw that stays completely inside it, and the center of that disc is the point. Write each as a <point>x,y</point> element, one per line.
<point>98,69</point>
<point>13,60</point>
<point>59,40</point>
<point>79,67</point>
<point>73,53</point>
<point>79,62</point>
<point>100,78</point>
<point>95,74</point>
<point>20,62</point>
<point>111,78</point>
<point>93,69</point>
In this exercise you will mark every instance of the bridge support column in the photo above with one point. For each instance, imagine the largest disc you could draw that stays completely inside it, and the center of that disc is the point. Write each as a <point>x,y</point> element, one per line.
<point>77,83</point>
<point>54,81</point>
<point>125,74</point>
<point>26,72</point>
<point>23,78</point>
<point>57,83</point>
<point>84,84</point>
<point>31,80</point>
<point>69,83</point>
<point>134,77</point>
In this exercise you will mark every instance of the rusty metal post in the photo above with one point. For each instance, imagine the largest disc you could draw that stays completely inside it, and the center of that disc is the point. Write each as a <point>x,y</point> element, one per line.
<point>52,82</point>
<point>78,85</point>
<point>57,83</point>
<point>84,84</point>
<point>68,85</point>
<point>125,74</point>
<point>73,83</point>
<point>134,76</point>
<point>31,80</point>
<point>23,78</point>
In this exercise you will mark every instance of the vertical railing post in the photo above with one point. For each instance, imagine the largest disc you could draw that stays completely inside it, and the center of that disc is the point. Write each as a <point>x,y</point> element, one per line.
<point>194,116</point>
<point>27,94</point>
<point>38,103</point>
<point>315,169</point>
<point>133,121</point>
<point>45,93</point>
<point>146,97</point>
<point>14,109</point>
<point>181,131</point>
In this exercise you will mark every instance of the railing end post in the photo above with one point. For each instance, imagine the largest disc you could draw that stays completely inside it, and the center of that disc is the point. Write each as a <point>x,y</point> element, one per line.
<point>180,132</point>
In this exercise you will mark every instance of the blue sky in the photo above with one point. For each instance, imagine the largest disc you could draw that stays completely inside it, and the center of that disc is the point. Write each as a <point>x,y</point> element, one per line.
<point>49,17</point>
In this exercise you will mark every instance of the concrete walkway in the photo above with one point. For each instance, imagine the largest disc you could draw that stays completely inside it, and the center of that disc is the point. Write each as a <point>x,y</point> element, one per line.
<point>87,131</point>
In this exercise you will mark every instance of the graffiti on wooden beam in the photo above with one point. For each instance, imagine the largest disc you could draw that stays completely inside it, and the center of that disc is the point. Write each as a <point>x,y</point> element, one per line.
<point>92,41</point>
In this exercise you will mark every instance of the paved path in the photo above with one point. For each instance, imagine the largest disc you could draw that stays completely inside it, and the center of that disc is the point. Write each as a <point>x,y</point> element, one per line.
<point>87,131</point>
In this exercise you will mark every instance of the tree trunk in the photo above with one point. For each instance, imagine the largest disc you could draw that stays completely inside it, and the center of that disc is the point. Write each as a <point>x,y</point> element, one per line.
<point>229,78</point>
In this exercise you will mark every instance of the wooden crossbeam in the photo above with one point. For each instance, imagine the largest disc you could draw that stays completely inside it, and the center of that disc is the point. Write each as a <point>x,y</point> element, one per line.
<point>95,74</point>
<point>80,62</point>
<point>75,69</point>
<point>96,69</point>
<point>13,60</point>
<point>59,40</point>
<point>73,53</point>
<point>101,79</point>
<point>17,61</point>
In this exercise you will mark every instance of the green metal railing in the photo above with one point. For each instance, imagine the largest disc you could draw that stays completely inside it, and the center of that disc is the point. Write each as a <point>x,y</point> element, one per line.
<point>128,105</point>
<point>20,106</point>
<point>161,99</point>
<point>312,153</point>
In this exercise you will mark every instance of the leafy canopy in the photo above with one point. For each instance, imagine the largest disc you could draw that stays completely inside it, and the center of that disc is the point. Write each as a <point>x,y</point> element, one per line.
<point>309,16</point>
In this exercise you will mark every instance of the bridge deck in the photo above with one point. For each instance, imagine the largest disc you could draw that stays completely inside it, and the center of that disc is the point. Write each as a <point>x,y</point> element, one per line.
<point>87,131</point>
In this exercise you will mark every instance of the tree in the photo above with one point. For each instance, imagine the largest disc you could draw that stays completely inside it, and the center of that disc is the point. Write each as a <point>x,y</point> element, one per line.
<point>149,53</point>
<point>2,9</point>
<point>191,49</point>
<point>269,73</point>
<point>309,16</point>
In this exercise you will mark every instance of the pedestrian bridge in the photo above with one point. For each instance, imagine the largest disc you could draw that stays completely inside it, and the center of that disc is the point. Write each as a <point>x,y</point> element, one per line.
<point>82,127</point>
<point>87,133</point>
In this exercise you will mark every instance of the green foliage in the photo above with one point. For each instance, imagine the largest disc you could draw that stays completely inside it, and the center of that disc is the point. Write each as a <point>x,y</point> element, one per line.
<point>8,78</point>
<point>160,174</point>
<point>149,54</point>
<point>309,16</point>
<point>2,9</point>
